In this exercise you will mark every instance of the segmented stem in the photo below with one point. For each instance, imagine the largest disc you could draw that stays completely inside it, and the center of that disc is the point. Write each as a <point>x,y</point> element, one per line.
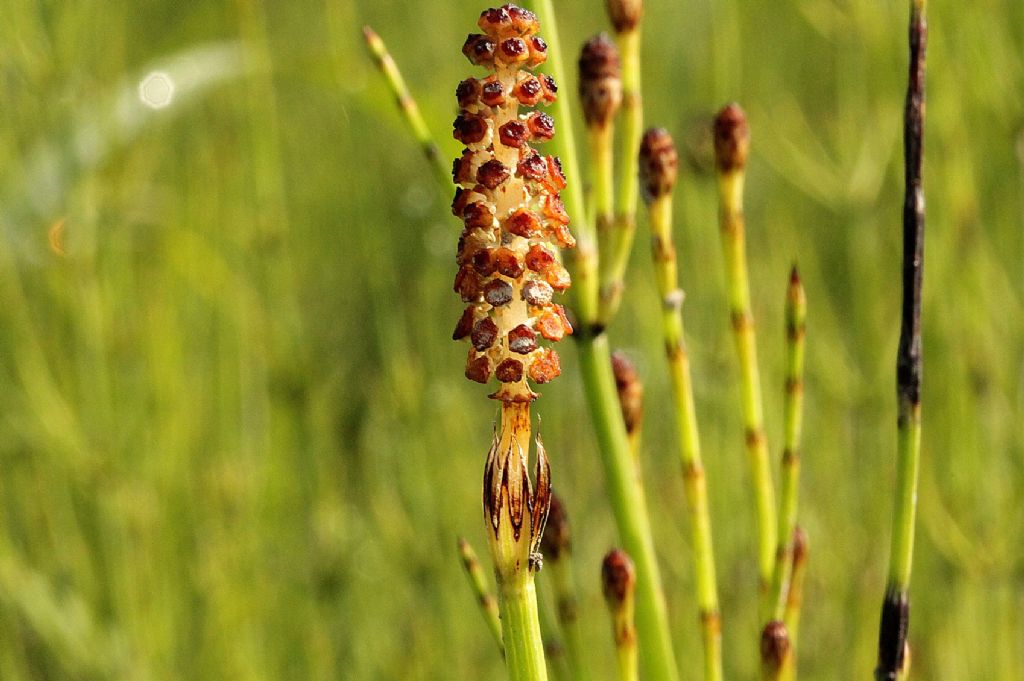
<point>895,619</point>
<point>796,312</point>
<point>485,599</point>
<point>658,158</point>
<point>795,593</point>
<point>618,578</point>
<point>524,646</point>
<point>731,140</point>
<point>408,107</point>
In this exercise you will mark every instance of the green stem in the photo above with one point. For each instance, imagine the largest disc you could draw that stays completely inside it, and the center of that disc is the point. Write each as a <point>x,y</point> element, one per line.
<point>730,185</point>
<point>602,159</point>
<point>629,506</point>
<point>408,107</point>
<point>628,187</point>
<point>796,309</point>
<point>895,620</point>
<point>664,256</point>
<point>795,593</point>
<point>568,615</point>
<point>485,600</point>
<point>524,647</point>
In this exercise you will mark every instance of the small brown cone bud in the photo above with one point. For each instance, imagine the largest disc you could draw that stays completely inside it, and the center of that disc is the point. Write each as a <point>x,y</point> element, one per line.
<point>625,14</point>
<point>631,391</point>
<point>659,164</point>
<point>600,80</point>
<point>618,578</point>
<point>775,647</point>
<point>732,139</point>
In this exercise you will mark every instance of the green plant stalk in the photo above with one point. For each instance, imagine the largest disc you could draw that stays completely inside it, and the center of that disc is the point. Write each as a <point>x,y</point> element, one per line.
<point>567,607</point>
<point>626,658</point>
<point>621,472</point>
<point>664,256</point>
<point>796,314</point>
<point>730,187</point>
<point>524,646</point>
<point>895,617</point>
<point>485,599</point>
<point>795,593</point>
<point>628,189</point>
<point>585,259</point>
<point>602,158</point>
<point>629,507</point>
<point>408,107</point>
<point>554,651</point>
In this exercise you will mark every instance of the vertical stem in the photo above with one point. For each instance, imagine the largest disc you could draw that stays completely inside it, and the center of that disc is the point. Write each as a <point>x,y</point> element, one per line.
<point>796,310</point>
<point>895,619</point>
<point>568,615</point>
<point>795,594</point>
<point>664,256</point>
<point>731,141</point>
<point>485,600</point>
<point>407,105</point>
<point>600,142</point>
<point>629,506</point>
<point>628,188</point>
<point>524,647</point>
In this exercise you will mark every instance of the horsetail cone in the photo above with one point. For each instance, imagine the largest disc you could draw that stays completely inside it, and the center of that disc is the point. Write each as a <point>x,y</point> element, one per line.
<point>600,81</point>
<point>514,224</point>
<point>625,14</point>
<point>659,164</point>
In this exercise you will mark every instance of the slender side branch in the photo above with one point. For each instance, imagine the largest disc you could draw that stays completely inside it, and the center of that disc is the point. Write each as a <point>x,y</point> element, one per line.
<point>626,16</point>
<point>795,595</point>
<point>895,620</point>
<point>485,599</point>
<point>600,96</point>
<point>658,163</point>
<point>732,139</point>
<point>796,313</point>
<point>618,582</point>
<point>407,105</point>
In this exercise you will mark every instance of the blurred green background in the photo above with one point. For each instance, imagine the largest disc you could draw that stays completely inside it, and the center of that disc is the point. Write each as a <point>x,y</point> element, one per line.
<point>235,438</point>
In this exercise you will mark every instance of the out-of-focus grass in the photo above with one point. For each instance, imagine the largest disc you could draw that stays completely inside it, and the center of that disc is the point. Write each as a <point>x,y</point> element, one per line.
<point>235,441</point>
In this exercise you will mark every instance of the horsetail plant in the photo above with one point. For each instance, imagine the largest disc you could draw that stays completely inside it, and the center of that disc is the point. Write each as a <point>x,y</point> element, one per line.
<point>600,89</point>
<point>895,619</point>
<point>732,141</point>
<point>796,314</point>
<point>658,167</point>
<point>485,599</point>
<point>795,593</point>
<point>514,222</point>
<point>618,582</point>
<point>776,652</point>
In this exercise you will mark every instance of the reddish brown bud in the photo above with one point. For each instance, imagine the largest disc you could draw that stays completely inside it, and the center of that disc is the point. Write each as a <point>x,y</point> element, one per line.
<point>539,259</point>
<point>467,284</point>
<point>528,91</point>
<point>478,368</point>
<point>538,51</point>
<point>625,14</point>
<point>483,262</point>
<point>522,340</point>
<point>732,139</point>
<point>514,134</point>
<point>533,167</point>
<point>563,236</point>
<point>537,293</point>
<point>477,215</point>
<point>495,21</point>
<point>551,325</point>
<point>558,277</point>
<point>462,168</point>
<point>524,21</point>
<point>523,223</point>
<point>509,371</point>
<point>513,51</point>
<point>556,176</point>
<point>631,391</point>
<point>498,293</point>
<point>485,332</point>
<point>618,578</point>
<point>541,125</point>
<point>600,80</point>
<point>493,93</point>
<point>479,49</point>
<point>554,209</point>
<point>546,367</point>
<point>469,128</point>
<point>507,262</point>
<point>775,647</point>
<point>459,201</point>
<point>465,325</point>
<point>550,88</point>
<point>468,92</point>
<point>492,174</point>
<point>659,164</point>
